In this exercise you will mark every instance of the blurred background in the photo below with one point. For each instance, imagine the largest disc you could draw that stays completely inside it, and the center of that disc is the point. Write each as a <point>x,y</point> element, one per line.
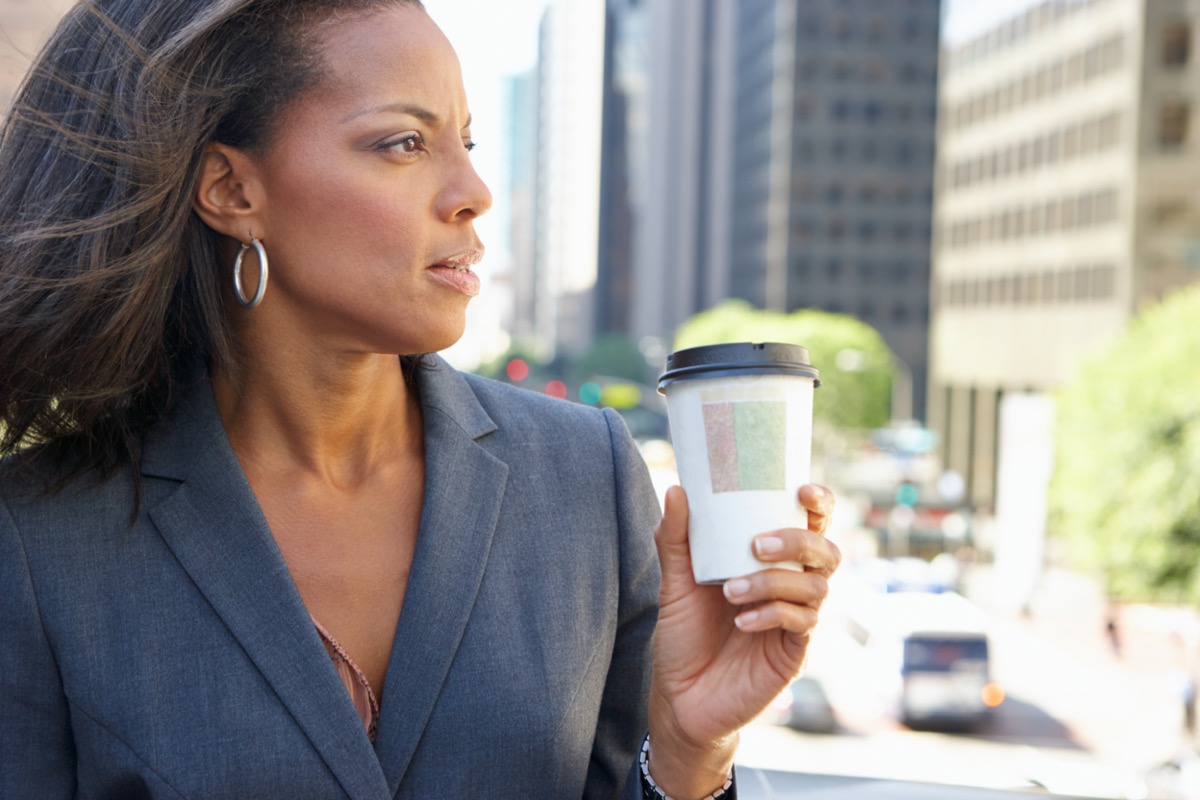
<point>982,218</point>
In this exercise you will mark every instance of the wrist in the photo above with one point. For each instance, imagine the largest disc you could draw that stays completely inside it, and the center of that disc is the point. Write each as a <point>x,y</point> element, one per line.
<point>652,791</point>
<point>685,770</point>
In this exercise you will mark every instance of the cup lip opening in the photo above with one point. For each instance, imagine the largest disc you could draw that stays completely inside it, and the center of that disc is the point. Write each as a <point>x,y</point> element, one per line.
<point>732,359</point>
<point>708,371</point>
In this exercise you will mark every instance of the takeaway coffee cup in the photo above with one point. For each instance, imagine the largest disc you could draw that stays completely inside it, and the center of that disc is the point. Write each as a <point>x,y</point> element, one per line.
<point>741,426</point>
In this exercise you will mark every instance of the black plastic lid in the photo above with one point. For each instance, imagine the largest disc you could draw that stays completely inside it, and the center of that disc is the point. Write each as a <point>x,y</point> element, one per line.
<point>738,358</point>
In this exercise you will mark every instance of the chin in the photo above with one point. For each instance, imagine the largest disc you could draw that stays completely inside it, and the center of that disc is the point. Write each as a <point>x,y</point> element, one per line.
<point>435,341</point>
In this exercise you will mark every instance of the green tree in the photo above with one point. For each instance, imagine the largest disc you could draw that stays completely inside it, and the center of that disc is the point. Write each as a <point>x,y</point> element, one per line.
<point>1125,496</point>
<point>614,356</point>
<point>854,361</point>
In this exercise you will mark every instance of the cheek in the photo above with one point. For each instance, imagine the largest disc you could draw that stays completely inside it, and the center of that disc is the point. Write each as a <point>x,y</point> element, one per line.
<point>361,221</point>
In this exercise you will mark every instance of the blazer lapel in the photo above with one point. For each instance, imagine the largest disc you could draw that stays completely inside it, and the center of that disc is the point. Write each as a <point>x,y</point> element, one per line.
<point>464,487</point>
<point>216,530</point>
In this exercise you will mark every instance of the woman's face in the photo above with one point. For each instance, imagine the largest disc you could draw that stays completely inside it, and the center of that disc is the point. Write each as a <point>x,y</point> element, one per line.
<point>370,193</point>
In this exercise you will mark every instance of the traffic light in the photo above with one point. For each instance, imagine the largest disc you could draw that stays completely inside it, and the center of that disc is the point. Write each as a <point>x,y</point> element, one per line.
<point>517,370</point>
<point>907,494</point>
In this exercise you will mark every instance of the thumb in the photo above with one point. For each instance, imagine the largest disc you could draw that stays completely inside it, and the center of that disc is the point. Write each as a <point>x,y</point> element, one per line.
<point>671,539</point>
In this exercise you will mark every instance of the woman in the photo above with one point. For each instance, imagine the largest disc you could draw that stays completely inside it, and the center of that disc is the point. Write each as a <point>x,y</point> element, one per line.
<point>245,549</point>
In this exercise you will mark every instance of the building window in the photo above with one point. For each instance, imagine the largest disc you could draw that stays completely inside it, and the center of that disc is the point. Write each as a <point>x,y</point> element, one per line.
<point>1176,45</point>
<point>1067,214</point>
<point>1064,286</point>
<point>1051,216</point>
<point>1083,216</point>
<point>1171,211</point>
<point>1173,121</point>
<point>1029,293</point>
<point>1109,130</point>
<point>1070,142</point>
<point>1053,146</point>
<point>1106,206</point>
<point>1104,282</point>
<point>1048,283</point>
<point>1083,283</point>
<point>1037,152</point>
<point>1089,136</point>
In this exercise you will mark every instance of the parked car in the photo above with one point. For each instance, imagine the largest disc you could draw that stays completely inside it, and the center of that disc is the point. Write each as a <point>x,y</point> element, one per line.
<point>804,706</point>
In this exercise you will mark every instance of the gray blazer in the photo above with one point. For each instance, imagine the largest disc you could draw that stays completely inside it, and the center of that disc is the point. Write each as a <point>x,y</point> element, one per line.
<point>174,658</point>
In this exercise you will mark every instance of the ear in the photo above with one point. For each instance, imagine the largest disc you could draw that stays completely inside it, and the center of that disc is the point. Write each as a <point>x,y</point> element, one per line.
<point>229,196</point>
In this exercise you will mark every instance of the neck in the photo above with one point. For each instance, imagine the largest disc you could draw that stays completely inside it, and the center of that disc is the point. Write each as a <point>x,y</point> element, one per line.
<point>337,418</point>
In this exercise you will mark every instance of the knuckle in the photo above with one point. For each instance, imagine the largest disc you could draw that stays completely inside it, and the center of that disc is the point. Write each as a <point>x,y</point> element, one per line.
<point>835,556</point>
<point>819,585</point>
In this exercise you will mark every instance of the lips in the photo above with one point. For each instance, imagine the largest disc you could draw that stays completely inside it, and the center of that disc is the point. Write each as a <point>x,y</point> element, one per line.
<point>455,273</point>
<point>462,261</point>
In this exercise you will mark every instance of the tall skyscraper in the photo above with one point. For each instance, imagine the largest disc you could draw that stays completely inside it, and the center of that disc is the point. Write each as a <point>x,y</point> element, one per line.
<point>841,218</point>
<point>569,79</point>
<point>520,187</point>
<point>625,84</point>
<point>684,163</point>
<point>1066,202</point>
<point>787,158</point>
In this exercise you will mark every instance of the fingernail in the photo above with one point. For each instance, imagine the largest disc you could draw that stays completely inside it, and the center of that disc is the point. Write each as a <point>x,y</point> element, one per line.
<point>768,545</point>
<point>746,620</point>
<point>736,587</point>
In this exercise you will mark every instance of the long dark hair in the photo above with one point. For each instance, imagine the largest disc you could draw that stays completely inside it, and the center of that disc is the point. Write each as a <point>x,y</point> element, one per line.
<point>110,285</point>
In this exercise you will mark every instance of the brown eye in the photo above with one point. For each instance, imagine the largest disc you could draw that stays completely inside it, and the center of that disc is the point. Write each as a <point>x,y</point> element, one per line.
<point>408,144</point>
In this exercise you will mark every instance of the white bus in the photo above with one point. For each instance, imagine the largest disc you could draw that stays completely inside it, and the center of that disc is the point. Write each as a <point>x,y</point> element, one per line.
<point>928,654</point>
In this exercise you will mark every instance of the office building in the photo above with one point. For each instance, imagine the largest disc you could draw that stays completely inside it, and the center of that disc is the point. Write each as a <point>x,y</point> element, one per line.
<point>1066,202</point>
<point>789,160</point>
<point>566,206</point>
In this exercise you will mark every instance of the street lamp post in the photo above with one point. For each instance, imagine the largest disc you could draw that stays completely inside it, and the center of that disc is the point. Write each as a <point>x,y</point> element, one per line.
<point>902,390</point>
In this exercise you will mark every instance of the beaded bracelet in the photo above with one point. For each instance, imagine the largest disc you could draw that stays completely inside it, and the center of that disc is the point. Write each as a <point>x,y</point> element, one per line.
<point>650,790</point>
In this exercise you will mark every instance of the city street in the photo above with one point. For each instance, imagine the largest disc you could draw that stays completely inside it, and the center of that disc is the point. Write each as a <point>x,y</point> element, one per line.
<point>1078,720</point>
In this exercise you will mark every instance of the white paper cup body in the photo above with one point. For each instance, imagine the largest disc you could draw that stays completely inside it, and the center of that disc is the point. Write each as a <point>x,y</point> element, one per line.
<point>743,446</point>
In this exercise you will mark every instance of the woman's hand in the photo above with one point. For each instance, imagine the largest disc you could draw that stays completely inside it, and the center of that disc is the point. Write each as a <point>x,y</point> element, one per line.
<point>722,653</point>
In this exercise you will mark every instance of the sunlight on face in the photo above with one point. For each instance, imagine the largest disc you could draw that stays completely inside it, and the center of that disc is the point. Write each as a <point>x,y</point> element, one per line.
<point>370,196</point>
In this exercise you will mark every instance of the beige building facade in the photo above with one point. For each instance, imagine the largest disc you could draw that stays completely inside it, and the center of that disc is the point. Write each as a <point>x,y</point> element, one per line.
<point>24,26</point>
<point>1067,199</point>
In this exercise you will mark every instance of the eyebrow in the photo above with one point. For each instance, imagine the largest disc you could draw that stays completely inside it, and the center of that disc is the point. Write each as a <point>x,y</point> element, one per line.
<point>423,114</point>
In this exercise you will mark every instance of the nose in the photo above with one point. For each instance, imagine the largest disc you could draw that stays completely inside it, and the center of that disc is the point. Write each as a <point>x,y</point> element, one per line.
<point>465,195</point>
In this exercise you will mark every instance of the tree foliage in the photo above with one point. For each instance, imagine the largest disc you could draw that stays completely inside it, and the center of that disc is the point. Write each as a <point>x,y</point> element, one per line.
<point>1125,496</point>
<point>615,356</point>
<point>855,396</point>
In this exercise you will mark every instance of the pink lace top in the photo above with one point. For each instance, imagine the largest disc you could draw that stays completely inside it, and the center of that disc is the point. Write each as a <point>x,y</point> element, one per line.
<point>355,682</point>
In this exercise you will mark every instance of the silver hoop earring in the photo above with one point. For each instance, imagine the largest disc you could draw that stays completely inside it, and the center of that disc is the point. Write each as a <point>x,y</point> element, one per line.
<point>238,291</point>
